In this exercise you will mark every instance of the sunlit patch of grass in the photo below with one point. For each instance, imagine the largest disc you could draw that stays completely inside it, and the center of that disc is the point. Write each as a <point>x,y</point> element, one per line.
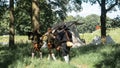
<point>21,39</point>
<point>4,38</point>
<point>89,36</point>
<point>113,33</point>
<point>18,39</point>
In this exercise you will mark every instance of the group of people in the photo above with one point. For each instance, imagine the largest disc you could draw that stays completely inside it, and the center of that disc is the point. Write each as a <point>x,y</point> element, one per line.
<point>56,39</point>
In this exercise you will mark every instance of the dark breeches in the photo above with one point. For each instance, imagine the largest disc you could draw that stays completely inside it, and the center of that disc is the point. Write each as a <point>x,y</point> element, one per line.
<point>64,49</point>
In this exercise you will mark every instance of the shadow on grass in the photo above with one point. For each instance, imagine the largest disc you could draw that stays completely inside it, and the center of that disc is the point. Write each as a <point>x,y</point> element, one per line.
<point>111,60</point>
<point>8,55</point>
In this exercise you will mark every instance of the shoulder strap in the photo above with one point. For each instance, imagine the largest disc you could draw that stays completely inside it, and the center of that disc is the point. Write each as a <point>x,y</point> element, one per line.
<point>67,36</point>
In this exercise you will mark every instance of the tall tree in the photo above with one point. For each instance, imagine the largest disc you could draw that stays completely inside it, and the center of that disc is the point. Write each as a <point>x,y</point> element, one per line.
<point>106,6</point>
<point>35,15</point>
<point>104,10</point>
<point>11,25</point>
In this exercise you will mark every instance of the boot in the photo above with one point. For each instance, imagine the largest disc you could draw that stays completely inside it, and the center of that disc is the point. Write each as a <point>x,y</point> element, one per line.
<point>66,58</point>
<point>48,57</point>
<point>33,55</point>
<point>40,55</point>
<point>53,56</point>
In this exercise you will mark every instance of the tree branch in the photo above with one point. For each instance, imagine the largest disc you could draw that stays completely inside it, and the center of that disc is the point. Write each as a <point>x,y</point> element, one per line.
<point>116,2</point>
<point>99,2</point>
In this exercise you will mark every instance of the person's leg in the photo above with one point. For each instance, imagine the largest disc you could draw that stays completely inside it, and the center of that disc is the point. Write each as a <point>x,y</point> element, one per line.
<point>53,56</point>
<point>33,52</point>
<point>65,52</point>
<point>66,58</point>
<point>40,52</point>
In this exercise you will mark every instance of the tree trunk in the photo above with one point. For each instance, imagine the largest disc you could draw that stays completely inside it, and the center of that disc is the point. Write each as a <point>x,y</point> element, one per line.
<point>11,25</point>
<point>35,16</point>
<point>103,22</point>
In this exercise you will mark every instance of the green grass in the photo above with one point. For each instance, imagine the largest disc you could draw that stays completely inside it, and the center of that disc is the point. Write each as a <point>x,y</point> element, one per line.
<point>37,63</point>
<point>18,39</point>
<point>114,33</point>
<point>100,56</point>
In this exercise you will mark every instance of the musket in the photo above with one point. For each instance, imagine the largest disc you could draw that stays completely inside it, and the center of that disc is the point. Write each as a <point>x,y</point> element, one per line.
<point>62,24</point>
<point>73,22</point>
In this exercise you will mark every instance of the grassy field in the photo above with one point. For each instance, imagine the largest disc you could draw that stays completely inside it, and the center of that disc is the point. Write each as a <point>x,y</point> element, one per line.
<point>100,56</point>
<point>113,33</point>
<point>91,56</point>
<point>18,39</point>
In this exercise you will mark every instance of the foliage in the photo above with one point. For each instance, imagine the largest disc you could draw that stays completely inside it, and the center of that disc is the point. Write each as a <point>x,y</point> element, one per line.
<point>116,22</point>
<point>4,25</point>
<point>3,7</point>
<point>61,7</point>
<point>48,14</point>
<point>22,16</point>
<point>3,17</point>
<point>89,22</point>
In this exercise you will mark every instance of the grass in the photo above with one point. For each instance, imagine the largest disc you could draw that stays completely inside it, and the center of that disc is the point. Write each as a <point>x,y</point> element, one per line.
<point>37,63</point>
<point>113,33</point>
<point>99,56</point>
<point>18,39</point>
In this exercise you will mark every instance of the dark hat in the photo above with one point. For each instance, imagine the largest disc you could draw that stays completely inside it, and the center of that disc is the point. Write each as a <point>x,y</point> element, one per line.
<point>65,27</point>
